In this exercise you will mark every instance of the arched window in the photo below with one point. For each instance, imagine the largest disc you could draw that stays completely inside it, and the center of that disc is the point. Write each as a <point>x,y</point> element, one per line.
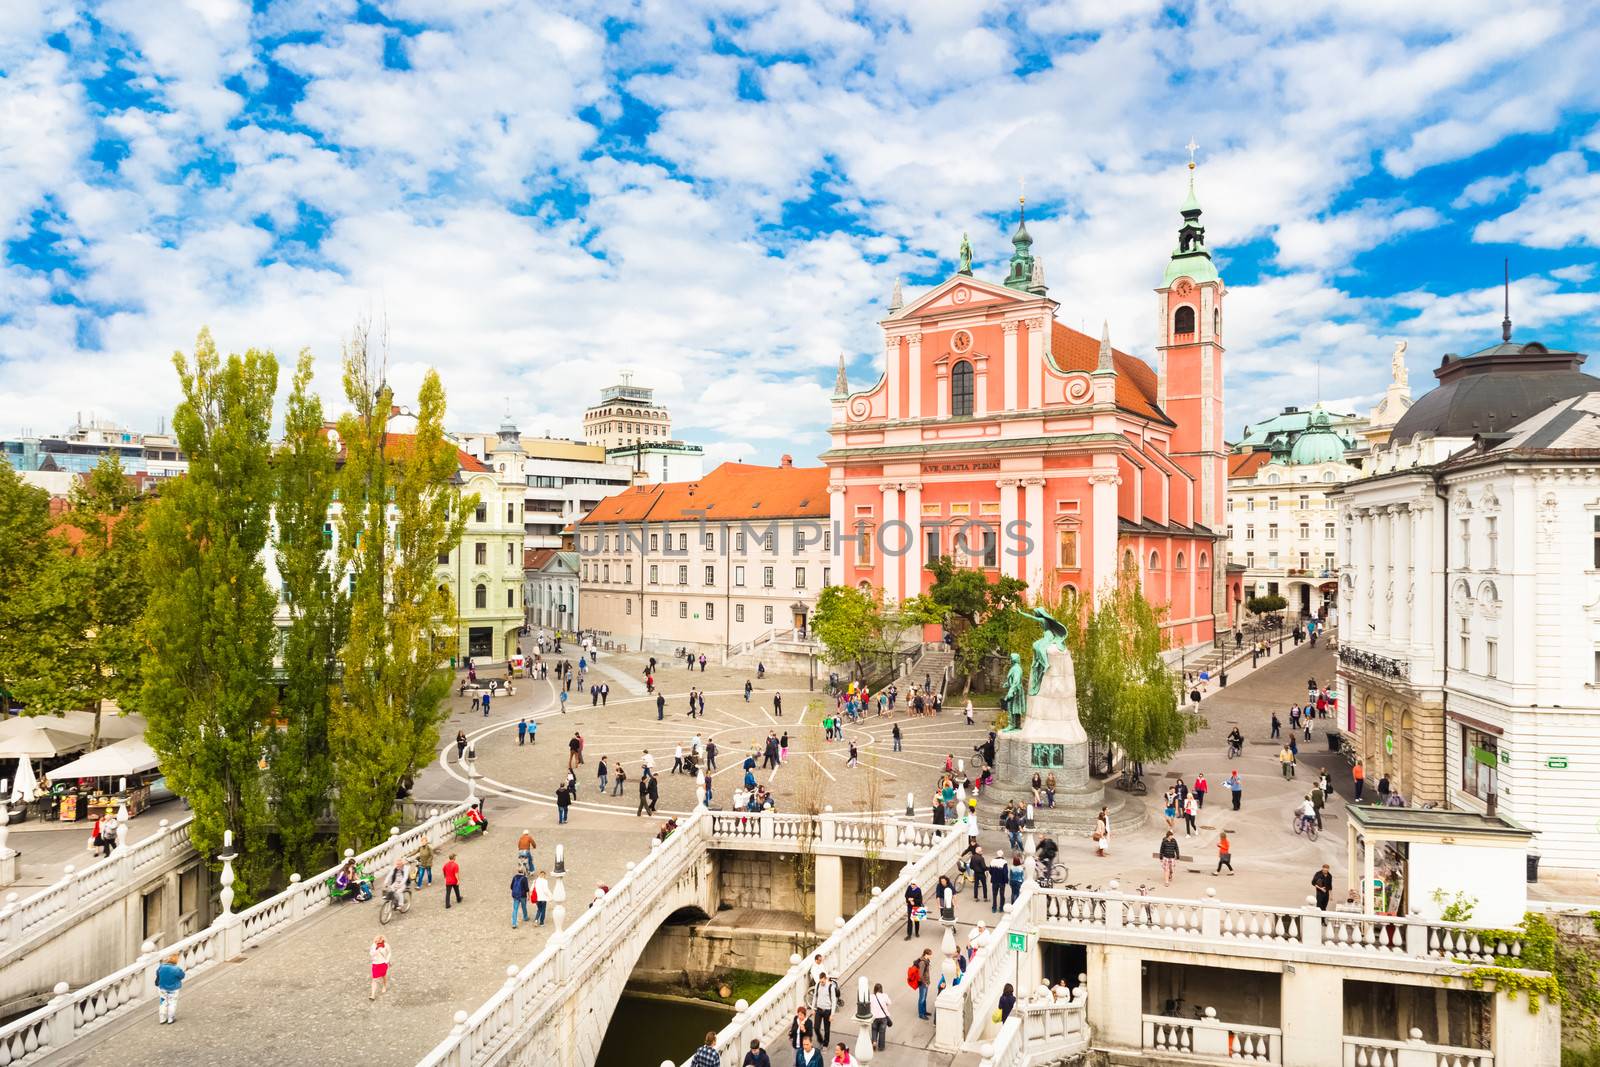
<point>480,596</point>
<point>1204,560</point>
<point>1216,321</point>
<point>1183,320</point>
<point>961,388</point>
<point>1127,560</point>
<point>1177,562</point>
<point>1155,561</point>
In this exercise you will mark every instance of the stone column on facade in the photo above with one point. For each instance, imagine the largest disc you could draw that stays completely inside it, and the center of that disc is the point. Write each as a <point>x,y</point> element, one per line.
<point>1011,562</point>
<point>888,537</point>
<point>913,519</point>
<point>1355,567</point>
<point>1103,521</point>
<point>1035,397</point>
<point>836,532</point>
<point>891,374</point>
<point>980,385</point>
<point>1033,505</point>
<point>1378,619</point>
<point>914,377</point>
<point>1424,616</point>
<point>1011,371</point>
<point>1399,608</point>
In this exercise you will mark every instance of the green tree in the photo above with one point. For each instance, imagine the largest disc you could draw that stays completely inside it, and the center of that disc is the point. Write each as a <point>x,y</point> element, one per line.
<point>88,601</point>
<point>302,766</point>
<point>1266,605</point>
<point>24,545</point>
<point>847,620</point>
<point>209,624</point>
<point>400,508</point>
<point>981,614</point>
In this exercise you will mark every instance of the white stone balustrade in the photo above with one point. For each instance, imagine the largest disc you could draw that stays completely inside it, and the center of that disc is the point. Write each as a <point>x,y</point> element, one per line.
<point>1375,1052</point>
<point>959,1012</point>
<point>1038,1033</point>
<point>70,1014</point>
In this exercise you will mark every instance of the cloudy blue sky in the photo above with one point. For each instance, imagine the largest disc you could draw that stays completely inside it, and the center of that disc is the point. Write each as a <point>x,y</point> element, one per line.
<point>720,195</point>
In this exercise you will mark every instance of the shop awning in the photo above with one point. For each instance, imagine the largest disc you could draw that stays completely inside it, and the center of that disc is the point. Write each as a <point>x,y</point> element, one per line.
<point>128,756</point>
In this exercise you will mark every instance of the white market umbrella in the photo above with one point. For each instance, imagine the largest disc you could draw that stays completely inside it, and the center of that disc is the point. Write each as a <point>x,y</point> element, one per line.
<point>26,786</point>
<point>113,727</point>
<point>35,740</point>
<point>128,756</point>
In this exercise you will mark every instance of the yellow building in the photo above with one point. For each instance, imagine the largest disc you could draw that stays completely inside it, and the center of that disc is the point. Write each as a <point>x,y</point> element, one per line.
<point>485,570</point>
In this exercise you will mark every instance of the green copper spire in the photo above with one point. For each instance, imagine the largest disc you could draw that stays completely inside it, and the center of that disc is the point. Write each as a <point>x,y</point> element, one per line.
<point>1021,274</point>
<point>1191,258</point>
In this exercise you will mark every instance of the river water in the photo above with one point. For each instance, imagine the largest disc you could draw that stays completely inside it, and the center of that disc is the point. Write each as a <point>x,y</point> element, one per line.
<point>646,1030</point>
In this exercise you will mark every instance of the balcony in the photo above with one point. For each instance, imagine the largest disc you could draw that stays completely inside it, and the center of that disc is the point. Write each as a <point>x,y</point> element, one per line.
<point>1211,1039</point>
<point>1376,1052</point>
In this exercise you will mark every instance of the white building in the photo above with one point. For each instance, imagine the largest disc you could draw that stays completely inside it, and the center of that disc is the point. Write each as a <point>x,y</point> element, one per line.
<point>626,414</point>
<point>1470,606</point>
<point>1282,526</point>
<point>661,461</point>
<point>78,451</point>
<point>565,478</point>
<point>731,558</point>
<point>550,577</point>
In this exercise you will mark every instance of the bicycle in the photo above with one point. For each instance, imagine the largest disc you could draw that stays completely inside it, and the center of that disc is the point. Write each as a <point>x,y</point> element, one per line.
<point>1129,782</point>
<point>394,902</point>
<point>1303,825</point>
<point>1052,875</point>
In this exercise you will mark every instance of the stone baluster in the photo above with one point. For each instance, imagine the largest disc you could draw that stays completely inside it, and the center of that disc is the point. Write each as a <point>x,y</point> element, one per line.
<point>147,960</point>
<point>232,931</point>
<point>61,1018</point>
<point>297,900</point>
<point>1210,916</point>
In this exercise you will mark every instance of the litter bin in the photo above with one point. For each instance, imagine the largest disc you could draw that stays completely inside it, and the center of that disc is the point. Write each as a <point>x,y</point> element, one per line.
<point>1333,741</point>
<point>1533,866</point>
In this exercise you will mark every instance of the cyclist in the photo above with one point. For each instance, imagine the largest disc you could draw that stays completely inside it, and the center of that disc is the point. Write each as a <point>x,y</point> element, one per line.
<point>1235,742</point>
<point>1305,816</point>
<point>396,883</point>
<point>1046,852</point>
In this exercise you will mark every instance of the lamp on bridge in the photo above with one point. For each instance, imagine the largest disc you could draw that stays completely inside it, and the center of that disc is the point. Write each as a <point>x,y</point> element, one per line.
<point>227,857</point>
<point>863,1002</point>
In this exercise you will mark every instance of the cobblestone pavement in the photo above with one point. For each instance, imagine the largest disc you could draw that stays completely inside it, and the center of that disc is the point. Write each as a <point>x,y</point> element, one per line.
<point>301,998</point>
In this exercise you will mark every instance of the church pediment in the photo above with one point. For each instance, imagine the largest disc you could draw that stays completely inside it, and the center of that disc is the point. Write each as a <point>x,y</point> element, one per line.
<point>960,292</point>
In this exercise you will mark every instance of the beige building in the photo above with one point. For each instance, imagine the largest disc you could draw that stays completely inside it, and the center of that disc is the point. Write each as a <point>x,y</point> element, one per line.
<point>708,564</point>
<point>486,570</point>
<point>626,415</point>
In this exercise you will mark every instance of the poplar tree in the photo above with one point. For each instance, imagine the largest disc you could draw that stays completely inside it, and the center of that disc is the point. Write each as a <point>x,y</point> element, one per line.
<point>24,533</point>
<point>302,767</point>
<point>400,509</point>
<point>207,670</point>
<point>86,603</point>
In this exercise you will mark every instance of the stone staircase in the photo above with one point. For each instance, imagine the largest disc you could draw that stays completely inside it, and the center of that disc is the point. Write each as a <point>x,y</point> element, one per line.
<point>933,666</point>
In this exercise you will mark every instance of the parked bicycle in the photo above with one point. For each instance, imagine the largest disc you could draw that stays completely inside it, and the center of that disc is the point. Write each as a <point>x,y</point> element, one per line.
<point>1131,781</point>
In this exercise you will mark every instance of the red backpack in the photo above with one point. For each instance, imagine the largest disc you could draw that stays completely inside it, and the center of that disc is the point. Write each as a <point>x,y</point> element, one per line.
<point>913,976</point>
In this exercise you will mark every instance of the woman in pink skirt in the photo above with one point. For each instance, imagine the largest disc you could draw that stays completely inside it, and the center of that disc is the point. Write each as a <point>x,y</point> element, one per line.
<point>380,967</point>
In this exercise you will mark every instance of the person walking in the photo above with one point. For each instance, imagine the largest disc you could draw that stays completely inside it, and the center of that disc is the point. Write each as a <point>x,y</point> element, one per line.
<point>1236,787</point>
<point>1008,1001</point>
<point>1286,761</point>
<point>1190,812</point>
<point>757,1056</point>
<point>999,878</point>
<point>604,773</point>
<point>619,780</point>
<point>461,744</point>
<point>881,1021</point>
<point>379,954</point>
<point>169,981</point>
<point>914,910</point>
<point>747,688</point>
<point>522,732</point>
<point>1102,833</point>
<point>605,691</point>
<point>1322,882</point>
<point>652,795</point>
<point>1169,856</point>
<point>519,895</point>
<point>800,1028</point>
<point>824,1000</point>
<point>563,802</point>
<point>1224,855</point>
<point>424,862</point>
<point>777,704</point>
<point>533,731</point>
<point>525,847</point>
<point>707,1055</point>
<point>1199,791</point>
<point>541,896</point>
<point>923,973</point>
<point>806,1055</point>
<point>895,735</point>
<point>452,880</point>
<point>1358,775</point>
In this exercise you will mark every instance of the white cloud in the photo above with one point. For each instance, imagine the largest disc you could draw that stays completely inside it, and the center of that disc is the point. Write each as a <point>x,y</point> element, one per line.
<point>1559,210</point>
<point>1334,241</point>
<point>1484,191</point>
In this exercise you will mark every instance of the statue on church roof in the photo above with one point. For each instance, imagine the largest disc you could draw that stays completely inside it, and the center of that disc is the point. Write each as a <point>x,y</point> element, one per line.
<point>1397,364</point>
<point>966,255</point>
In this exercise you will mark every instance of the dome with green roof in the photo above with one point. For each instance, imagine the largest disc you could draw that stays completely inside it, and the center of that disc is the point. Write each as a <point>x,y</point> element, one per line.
<point>1319,443</point>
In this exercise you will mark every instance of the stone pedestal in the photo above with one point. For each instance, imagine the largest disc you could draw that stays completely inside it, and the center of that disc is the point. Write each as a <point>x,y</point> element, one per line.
<point>8,866</point>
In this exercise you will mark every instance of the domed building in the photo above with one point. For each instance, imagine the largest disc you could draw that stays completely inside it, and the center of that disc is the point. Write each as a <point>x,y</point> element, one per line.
<point>1282,534</point>
<point>1469,629</point>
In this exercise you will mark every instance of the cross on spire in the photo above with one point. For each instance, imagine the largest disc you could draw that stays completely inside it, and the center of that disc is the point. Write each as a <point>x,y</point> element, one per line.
<point>1191,147</point>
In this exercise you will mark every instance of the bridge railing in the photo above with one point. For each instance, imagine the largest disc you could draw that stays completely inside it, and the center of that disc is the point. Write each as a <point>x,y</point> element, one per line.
<point>62,900</point>
<point>959,1010</point>
<point>71,1013</point>
<point>841,832</point>
<point>850,944</point>
<point>1044,1032</point>
<point>1375,937</point>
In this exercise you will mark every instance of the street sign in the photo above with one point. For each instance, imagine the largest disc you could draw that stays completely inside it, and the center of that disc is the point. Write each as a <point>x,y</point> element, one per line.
<point>1018,942</point>
<point>1556,763</point>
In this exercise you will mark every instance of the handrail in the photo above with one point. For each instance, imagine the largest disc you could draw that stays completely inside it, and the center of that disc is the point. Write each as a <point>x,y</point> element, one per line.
<point>960,1008</point>
<point>1382,1052</point>
<point>22,919</point>
<point>1210,919</point>
<point>70,1013</point>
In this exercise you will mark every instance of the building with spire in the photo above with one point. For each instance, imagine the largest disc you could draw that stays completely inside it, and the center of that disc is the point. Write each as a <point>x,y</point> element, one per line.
<point>1469,600</point>
<point>1001,437</point>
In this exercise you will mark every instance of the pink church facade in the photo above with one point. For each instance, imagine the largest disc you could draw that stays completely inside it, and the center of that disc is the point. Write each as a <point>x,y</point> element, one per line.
<point>1011,442</point>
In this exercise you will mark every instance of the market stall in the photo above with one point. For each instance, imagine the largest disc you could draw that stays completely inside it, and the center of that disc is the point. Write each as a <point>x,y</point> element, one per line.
<point>99,782</point>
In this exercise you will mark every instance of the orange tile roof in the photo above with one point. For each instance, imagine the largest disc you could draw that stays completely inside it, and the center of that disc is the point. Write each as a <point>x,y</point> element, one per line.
<point>534,558</point>
<point>731,492</point>
<point>401,442</point>
<point>1245,464</point>
<point>1136,382</point>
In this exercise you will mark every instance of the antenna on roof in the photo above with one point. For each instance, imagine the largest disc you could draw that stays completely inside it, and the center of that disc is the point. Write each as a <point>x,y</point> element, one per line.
<point>1505,323</point>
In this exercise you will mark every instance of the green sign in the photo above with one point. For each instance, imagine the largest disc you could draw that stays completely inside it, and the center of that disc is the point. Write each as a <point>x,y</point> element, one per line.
<point>1388,744</point>
<point>1018,942</point>
<point>1556,763</point>
<point>1487,757</point>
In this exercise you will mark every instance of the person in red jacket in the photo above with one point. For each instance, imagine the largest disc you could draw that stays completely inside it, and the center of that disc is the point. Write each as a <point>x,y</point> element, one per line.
<point>452,879</point>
